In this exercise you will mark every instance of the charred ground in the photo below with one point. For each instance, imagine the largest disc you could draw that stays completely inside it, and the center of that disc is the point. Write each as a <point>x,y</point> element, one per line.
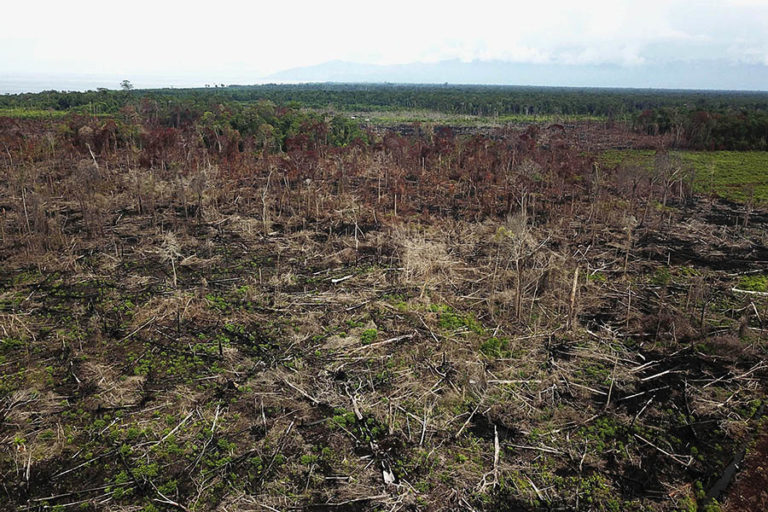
<point>319,315</point>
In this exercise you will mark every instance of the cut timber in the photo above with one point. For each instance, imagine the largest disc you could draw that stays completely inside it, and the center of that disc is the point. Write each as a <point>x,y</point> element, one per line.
<point>572,305</point>
<point>750,292</point>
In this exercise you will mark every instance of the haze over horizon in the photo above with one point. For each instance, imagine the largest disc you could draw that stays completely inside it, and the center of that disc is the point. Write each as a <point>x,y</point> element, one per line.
<point>617,43</point>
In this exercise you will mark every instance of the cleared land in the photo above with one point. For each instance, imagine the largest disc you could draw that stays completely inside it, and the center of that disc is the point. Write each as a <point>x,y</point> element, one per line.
<point>265,309</point>
<point>740,176</point>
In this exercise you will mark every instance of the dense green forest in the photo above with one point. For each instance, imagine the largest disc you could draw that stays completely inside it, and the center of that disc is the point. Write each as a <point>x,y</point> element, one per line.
<point>698,119</point>
<point>452,99</point>
<point>706,129</point>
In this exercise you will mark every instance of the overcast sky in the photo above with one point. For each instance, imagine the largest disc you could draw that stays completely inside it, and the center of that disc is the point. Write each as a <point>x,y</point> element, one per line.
<point>230,38</point>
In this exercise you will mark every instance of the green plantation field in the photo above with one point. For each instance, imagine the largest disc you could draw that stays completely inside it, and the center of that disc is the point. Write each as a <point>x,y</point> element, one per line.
<point>387,118</point>
<point>734,175</point>
<point>31,113</point>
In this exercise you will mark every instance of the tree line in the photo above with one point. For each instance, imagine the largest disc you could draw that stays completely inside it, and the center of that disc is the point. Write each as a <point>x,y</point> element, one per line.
<point>701,129</point>
<point>450,99</point>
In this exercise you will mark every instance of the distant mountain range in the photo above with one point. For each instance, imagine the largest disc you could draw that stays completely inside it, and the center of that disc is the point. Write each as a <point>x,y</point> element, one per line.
<point>703,74</point>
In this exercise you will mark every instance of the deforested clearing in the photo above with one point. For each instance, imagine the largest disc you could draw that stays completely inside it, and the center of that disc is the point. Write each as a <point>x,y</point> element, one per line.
<point>262,307</point>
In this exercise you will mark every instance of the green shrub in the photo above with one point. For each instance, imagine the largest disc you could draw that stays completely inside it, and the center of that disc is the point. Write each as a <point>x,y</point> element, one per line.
<point>597,277</point>
<point>342,418</point>
<point>369,336</point>
<point>495,347</point>
<point>754,283</point>
<point>451,321</point>
<point>309,459</point>
<point>661,277</point>
<point>10,343</point>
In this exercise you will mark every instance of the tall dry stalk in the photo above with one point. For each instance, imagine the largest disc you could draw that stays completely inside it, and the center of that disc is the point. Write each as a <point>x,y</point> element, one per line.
<point>169,251</point>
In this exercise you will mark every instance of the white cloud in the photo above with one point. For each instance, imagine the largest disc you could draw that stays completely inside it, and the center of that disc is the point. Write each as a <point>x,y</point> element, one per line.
<point>248,38</point>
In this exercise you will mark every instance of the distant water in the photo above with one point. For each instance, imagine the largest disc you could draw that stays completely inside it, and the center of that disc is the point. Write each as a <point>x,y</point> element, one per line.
<point>36,83</point>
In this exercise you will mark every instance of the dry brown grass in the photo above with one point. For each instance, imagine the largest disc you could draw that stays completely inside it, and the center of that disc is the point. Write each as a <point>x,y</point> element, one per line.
<point>307,345</point>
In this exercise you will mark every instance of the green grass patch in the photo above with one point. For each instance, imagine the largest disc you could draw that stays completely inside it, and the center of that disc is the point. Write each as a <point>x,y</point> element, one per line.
<point>8,344</point>
<point>495,348</point>
<point>368,336</point>
<point>385,117</point>
<point>642,158</point>
<point>450,320</point>
<point>31,113</point>
<point>738,176</point>
<point>754,283</point>
<point>37,113</point>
